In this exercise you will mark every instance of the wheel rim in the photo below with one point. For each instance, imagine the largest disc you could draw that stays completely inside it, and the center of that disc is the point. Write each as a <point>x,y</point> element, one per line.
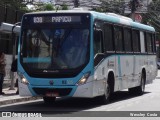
<point>107,91</point>
<point>142,84</point>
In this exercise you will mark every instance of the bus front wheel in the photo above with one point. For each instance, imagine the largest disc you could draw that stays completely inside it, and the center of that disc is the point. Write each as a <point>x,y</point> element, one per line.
<point>107,93</point>
<point>49,100</point>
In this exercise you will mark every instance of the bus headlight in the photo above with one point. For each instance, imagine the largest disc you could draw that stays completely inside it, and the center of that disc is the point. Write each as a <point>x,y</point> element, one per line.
<point>23,79</point>
<point>84,79</point>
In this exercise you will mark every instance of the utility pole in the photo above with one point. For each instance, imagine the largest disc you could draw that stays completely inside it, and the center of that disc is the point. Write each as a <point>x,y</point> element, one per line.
<point>76,3</point>
<point>135,4</point>
<point>133,9</point>
<point>14,39</point>
<point>13,57</point>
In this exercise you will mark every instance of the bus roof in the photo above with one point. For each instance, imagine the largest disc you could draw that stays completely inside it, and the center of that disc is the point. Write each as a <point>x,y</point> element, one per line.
<point>119,19</point>
<point>109,17</point>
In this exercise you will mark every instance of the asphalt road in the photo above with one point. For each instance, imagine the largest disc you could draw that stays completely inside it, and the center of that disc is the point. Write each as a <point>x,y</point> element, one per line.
<point>122,105</point>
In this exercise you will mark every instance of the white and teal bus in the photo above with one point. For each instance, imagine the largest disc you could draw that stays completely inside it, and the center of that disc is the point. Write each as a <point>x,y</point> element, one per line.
<point>85,54</point>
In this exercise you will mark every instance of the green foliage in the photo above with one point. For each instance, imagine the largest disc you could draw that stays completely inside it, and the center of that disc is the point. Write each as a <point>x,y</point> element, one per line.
<point>153,16</point>
<point>48,7</point>
<point>64,7</point>
<point>14,4</point>
<point>98,9</point>
<point>115,6</point>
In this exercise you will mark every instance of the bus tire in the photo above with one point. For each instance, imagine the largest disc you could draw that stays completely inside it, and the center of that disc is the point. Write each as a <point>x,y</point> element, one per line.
<point>107,93</point>
<point>105,98</point>
<point>140,89</point>
<point>49,100</point>
<point>109,89</point>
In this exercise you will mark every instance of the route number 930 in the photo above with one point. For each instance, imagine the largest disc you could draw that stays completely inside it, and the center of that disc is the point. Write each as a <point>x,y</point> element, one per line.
<point>37,19</point>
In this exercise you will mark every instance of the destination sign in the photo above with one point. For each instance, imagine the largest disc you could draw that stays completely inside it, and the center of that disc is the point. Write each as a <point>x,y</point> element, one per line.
<point>57,19</point>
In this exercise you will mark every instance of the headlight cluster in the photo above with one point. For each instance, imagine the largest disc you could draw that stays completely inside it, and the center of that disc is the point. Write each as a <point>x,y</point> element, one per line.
<point>23,79</point>
<point>84,79</point>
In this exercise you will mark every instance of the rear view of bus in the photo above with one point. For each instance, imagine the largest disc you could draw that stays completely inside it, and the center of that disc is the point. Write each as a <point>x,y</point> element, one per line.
<point>54,55</point>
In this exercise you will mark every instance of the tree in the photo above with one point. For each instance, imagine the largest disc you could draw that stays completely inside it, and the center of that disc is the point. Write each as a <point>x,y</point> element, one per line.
<point>48,7</point>
<point>152,17</point>
<point>15,4</point>
<point>64,7</point>
<point>115,6</point>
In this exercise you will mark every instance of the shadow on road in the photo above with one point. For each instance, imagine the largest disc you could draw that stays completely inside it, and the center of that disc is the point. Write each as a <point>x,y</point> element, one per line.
<point>66,106</point>
<point>123,95</point>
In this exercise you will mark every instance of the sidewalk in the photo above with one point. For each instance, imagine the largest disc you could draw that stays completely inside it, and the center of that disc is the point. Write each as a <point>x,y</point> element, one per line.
<point>11,96</point>
<point>158,75</point>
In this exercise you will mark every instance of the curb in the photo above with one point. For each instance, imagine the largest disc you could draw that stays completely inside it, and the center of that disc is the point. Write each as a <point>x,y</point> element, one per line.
<point>23,99</point>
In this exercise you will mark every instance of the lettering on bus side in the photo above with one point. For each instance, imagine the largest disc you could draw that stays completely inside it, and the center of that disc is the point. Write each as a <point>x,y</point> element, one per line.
<point>110,63</point>
<point>127,63</point>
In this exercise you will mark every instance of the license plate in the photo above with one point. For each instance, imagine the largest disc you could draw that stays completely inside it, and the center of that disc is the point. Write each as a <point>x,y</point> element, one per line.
<point>52,94</point>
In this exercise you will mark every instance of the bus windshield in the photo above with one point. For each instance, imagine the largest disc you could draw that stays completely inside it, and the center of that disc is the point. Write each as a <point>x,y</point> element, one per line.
<point>55,49</point>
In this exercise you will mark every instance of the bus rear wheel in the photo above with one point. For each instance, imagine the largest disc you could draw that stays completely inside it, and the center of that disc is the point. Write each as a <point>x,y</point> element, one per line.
<point>49,100</point>
<point>141,88</point>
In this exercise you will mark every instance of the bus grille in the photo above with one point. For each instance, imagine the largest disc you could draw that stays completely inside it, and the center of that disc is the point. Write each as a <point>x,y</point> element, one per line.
<point>60,91</point>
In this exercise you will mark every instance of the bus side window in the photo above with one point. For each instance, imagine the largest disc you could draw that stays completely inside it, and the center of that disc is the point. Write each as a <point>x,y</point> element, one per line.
<point>154,43</point>
<point>136,40</point>
<point>108,38</point>
<point>149,42</point>
<point>98,38</point>
<point>118,39</point>
<point>127,40</point>
<point>98,46</point>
